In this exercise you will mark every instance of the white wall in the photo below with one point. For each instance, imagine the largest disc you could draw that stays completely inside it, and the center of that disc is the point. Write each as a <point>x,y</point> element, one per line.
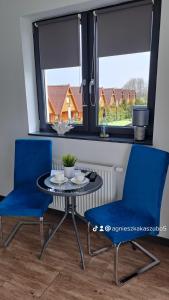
<point>19,104</point>
<point>161,126</point>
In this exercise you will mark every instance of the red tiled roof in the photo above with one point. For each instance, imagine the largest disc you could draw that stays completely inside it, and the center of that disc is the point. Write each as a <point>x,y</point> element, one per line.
<point>108,92</point>
<point>119,94</point>
<point>101,91</point>
<point>56,95</point>
<point>132,94</point>
<point>126,93</point>
<point>77,96</point>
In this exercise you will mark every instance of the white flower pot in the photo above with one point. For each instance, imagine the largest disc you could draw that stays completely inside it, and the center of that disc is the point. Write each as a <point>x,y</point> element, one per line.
<point>69,172</point>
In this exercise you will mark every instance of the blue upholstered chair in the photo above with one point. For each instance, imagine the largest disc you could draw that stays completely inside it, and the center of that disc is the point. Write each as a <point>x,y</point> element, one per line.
<point>32,159</point>
<point>138,211</point>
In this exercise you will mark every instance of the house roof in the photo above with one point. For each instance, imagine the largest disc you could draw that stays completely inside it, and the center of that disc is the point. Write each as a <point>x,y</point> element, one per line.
<point>56,96</point>
<point>132,94</point>
<point>77,97</point>
<point>108,92</point>
<point>119,94</point>
<point>101,91</point>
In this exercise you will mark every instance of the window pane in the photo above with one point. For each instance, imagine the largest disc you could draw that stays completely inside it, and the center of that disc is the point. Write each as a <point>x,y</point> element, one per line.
<point>63,95</point>
<point>123,82</point>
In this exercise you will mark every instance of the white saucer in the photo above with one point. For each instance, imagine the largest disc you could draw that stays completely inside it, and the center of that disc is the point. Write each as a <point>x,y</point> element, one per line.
<point>54,180</point>
<point>74,180</point>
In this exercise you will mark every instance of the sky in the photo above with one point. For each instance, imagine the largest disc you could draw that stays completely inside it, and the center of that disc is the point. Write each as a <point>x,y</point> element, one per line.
<point>114,71</point>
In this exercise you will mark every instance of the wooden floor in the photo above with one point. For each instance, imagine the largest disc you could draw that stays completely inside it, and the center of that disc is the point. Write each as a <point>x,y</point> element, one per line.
<point>58,276</point>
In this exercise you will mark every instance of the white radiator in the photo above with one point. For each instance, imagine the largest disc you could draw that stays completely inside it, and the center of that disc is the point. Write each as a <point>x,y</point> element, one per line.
<point>106,194</point>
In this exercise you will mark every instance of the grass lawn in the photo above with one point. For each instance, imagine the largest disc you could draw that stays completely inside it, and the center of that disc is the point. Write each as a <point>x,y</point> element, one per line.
<point>125,122</point>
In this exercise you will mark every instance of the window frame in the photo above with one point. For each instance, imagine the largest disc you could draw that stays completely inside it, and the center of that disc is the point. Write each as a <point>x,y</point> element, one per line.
<point>40,77</point>
<point>90,112</point>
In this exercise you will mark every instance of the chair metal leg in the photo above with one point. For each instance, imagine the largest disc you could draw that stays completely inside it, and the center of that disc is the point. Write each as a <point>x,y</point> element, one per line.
<point>98,251</point>
<point>116,258</point>
<point>18,225</point>
<point>133,246</point>
<point>12,234</point>
<point>120,281</point>
<point>124,279</point>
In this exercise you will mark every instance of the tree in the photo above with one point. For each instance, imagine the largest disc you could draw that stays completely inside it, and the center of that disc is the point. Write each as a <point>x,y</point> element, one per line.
<point>140,87</point>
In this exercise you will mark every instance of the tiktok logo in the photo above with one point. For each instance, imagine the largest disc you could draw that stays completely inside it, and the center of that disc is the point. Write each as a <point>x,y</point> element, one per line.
<point>95,228</point>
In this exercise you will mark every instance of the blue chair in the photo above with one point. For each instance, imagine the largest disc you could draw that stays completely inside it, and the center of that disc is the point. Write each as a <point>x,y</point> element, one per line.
<point>32,159</point>
<point>139,210</point>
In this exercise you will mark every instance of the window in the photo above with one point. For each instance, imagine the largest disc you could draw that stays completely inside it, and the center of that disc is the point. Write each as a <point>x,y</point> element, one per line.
<point>123,82</point>
<point>93,67</point>
<point>63,95</point>
<point>123,51</point>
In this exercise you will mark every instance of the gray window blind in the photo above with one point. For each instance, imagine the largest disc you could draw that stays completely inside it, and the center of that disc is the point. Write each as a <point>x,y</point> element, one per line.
<point>124,29</point>
<point>59,43</point>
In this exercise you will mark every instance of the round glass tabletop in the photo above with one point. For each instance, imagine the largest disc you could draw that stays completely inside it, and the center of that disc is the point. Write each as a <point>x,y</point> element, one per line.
<point>68,189</point>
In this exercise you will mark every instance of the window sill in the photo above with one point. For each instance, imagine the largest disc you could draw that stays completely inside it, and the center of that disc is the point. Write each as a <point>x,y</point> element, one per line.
<point>77,136</point>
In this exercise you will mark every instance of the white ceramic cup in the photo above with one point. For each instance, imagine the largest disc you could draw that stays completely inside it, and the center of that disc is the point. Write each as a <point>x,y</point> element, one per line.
<point>79,176</point>
<point>59,176</point>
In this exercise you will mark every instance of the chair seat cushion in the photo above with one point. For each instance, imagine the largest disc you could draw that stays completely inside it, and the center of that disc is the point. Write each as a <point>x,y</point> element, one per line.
<point>125,224</point>
<point>25,201</point>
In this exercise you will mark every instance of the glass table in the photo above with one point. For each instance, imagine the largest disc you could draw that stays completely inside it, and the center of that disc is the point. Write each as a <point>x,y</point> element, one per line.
<point>69,192</point>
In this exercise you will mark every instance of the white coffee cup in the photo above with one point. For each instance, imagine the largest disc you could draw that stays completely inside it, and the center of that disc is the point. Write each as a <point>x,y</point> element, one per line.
<point>79,176</point>
<point>59,176</point>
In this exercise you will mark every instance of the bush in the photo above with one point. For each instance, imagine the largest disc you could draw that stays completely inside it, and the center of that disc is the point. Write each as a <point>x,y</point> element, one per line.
<point>140,101</point>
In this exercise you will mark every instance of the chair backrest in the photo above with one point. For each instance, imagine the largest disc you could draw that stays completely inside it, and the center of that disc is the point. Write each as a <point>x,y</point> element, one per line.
<point>32,159</point>
<point>145,179</point>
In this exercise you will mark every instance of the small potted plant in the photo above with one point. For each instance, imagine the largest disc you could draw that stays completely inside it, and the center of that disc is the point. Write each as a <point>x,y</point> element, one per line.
<point>69,165</point>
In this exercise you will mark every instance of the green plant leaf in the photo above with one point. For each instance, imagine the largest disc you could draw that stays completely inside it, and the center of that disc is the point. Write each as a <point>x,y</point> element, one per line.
<point>69,160</point>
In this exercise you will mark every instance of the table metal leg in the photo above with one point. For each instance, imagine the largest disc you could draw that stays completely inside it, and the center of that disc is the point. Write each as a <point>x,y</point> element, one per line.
<point>76,232</point>
<point>81,217</point>
<point>41,222</point>
<point>70,207</point>
<point>78,241</point>
<point>53,233</point>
